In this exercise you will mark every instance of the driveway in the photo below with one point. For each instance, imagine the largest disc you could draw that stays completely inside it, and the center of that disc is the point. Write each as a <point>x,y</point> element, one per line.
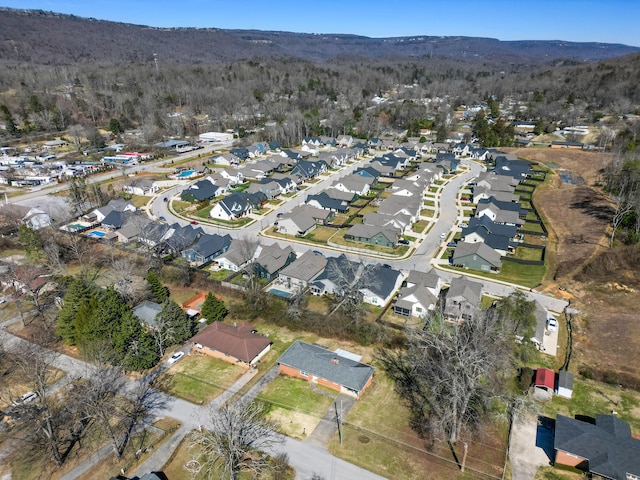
<point>531,447</point>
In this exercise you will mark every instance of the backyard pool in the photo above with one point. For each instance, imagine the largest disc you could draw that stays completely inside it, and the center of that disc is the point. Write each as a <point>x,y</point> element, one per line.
<point>95,234</point>
<point>280,293</point>
<point>186,173</point>
<point>76,226</point>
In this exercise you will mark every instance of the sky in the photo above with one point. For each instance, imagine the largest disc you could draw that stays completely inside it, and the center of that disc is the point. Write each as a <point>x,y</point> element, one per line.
<point>607,21</point>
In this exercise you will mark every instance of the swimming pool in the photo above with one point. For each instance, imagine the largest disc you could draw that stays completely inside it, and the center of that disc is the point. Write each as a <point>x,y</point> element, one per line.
<point>186,173</point>
<point>95,234</point>
<point>75,226</point>
<point>280,293</point>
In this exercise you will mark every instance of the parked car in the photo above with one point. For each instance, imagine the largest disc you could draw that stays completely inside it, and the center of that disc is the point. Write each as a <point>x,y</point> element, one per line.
<point>163,219</point>
<point>403,241</point>
<point>193,222</point>
<point>464,225</point>
<point>452,244</point>
<point>443,235</point>
<point>26,398</point>
<point>164,199</point>
<point>552,324</point>
<point>175,357</point>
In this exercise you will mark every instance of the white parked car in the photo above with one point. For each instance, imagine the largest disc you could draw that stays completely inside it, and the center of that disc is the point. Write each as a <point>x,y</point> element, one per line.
<point>443,236</point>
<point>26,398</point>
<point>175,357</point>
<point>552,324</point>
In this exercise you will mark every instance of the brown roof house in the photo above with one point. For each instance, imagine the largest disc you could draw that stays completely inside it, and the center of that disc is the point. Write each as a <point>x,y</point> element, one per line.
<point>232,343</point>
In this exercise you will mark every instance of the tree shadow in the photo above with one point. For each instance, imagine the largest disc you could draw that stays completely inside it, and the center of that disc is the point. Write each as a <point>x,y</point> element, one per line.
<point>591,203</point>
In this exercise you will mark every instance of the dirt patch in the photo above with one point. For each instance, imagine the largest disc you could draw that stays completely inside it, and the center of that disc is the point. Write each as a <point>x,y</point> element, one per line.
<point>605,332</point>
<point>294,424</point>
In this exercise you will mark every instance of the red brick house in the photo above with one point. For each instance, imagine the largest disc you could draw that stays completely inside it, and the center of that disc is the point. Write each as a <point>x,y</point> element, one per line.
<point>604,448</point>
<point>235,344</point>
<point>324,367</point>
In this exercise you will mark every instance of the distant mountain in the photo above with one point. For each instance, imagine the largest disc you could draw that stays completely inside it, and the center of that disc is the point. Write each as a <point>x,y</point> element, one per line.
<point>38,37</point>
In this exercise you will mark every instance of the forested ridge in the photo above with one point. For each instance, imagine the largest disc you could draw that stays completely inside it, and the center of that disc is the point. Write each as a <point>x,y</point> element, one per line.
<point>48,38</point>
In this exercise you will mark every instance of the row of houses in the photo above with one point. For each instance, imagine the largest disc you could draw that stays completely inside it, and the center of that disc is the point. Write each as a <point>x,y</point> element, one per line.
<point>493,231</point>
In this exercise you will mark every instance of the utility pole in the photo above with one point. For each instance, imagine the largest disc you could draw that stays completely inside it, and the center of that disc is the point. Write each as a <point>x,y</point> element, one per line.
<point>339,419</point>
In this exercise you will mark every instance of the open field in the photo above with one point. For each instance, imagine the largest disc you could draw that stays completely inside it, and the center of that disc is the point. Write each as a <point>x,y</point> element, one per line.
<point>577,216</point>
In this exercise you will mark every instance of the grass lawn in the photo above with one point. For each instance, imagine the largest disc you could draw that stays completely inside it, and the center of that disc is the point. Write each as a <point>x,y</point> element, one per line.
<point>532,227</point>
<point>427,212</point>
<point>420,225</point>
<point>320,234</point>
<point>139,200</point>
<point>590,398</point>
<point>204,213</point>
<point>557,473</point>
<point>174,468</point>
<point>199,378</point>
<point>525,253</point>
<point>429,203</point>
<point>526,275</point>
<point>149,439</point>
<point>219,274</point>
<point>377,437</point>
<point>294,406</point>
<point>179,206</point>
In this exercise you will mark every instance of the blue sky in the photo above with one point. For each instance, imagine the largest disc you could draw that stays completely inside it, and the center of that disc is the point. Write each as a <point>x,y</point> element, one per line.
<point>609,21</point>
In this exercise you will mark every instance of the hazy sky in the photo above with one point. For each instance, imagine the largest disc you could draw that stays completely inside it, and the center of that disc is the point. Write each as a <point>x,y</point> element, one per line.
<point>609,21</point>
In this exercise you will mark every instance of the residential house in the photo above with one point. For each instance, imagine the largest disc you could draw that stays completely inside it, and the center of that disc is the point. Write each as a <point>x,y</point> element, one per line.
<point>463,299</point>
<point>476,256</point>
<point>132,227</point>
<point>238,344</point>
<point>237,205</point>
<point>301,272</point>
<point>507,213</point>
<point>407,188</point>
<point>307,170</point>
<point>237,256</point>
<point>341,195</point>
<point>541,314</point>
<point>202,191</point>
<point>141,186</point>
<point>206,248</point>
<point>234,176</point>
<point>500,237</point>
<point>517,169</point>
<point>178,237</point>
<point>383,170</point>
<point>33,217</point>
<point>419,295</point>
<point>115,219</point>
<point>272,259</point>
<point>381,283</point>
<point>354,184</point>
<point>117,204</point>
<point>153,233</point>
<point>345,141</point>
<point>376,143</point>
<point>147,312</point>
<point>226,159</point>
<point>325,202</point>
<point>240,152</point>
<point>270,188</point>
<point>400,222</point>
<point>373,235</point>
<point>368,172</point>
<point>339,272</point>
<point>302,220</point>
<point>605,449</point>
<point>316,364</point>
<point>396,204</point>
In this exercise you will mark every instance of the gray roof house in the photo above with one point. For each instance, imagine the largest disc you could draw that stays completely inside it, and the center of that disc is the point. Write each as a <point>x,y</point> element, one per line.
<point>463,299</point>
<point>330,369</point>
<point>299,224</point>
<point>272,259</point>
<point>237,256</point>
<point>300,273</point>
<point>401,221</point>
<point>147,312</point>
<point>373,235</point>
<point>207,248</point>
<point>419,295</point>
<point>338,272</point>
<point>476,256</point>
<point>605,448</point>
<point>380,284</point>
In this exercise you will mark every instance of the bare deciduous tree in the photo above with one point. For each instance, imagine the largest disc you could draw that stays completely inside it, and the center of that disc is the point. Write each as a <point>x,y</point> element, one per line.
<point>450,376</point>
<point>234,441</point>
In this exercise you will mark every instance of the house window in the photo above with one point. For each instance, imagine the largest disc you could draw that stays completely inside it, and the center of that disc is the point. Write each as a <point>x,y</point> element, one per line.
<point>303,373</point>
<point>419,309</point>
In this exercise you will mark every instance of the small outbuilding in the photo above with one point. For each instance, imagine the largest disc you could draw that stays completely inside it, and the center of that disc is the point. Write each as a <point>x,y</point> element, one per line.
<point>564,386</point>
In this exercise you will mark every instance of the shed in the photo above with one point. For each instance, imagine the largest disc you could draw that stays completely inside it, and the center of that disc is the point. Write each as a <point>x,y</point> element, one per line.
<point>565,384</point>
<point>545,379</point>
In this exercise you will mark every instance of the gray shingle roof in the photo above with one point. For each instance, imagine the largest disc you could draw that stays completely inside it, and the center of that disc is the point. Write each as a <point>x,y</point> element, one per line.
<point>608,445</point>
<point>326,364</point>
<point>308,266</point>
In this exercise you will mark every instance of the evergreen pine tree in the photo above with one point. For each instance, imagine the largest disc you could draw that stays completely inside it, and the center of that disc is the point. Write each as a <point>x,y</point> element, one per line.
<point>213,310</point>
